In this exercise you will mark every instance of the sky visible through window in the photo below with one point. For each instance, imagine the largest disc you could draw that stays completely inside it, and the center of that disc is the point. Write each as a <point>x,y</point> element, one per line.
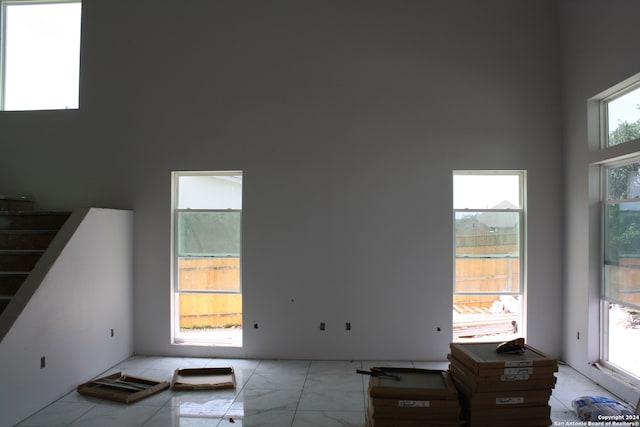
<point>624,109</point>
<point>41,55</point>
<point>485,191</point>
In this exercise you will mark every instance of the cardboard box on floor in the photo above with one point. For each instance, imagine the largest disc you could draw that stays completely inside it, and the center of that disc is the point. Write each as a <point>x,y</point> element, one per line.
<point>502,399</point>
<point>396,422</point>
<point>417,397</point>
<point>474,383</point>
<point>502,389</point>
<point>415,384</point>
<point>415,409</point>
<point>483,360</point>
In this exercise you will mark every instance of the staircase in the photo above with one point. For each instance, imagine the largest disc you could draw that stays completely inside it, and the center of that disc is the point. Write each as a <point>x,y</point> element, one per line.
<point>24,237</point>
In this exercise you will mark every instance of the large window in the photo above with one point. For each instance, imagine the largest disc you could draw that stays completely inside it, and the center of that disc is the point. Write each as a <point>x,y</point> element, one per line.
<point>206,257</point>
<point>620,195</point>
<point>488,297</point>
<point>39,54</point>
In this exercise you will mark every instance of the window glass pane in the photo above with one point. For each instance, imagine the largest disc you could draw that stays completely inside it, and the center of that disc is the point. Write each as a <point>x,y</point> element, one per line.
<point>487,252</point>
<point>623,337</point>
<point>41,55</point>
<point>487,317</point>
<point>209,274</point>
<point>486,191</point>
<point>623,118</point>
<point>622,253</point>
<point>210,192</point>
<point>623,182</point>
<point>221,313</point>
<point>209,233</point>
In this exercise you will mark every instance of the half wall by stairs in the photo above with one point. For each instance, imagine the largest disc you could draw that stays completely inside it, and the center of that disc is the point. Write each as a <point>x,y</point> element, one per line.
<point>71,318</point>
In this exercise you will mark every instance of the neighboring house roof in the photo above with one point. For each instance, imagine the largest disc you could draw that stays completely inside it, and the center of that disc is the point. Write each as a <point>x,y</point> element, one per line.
<point>491,220</point>
<point>505,204</point>
<point>498,220</point>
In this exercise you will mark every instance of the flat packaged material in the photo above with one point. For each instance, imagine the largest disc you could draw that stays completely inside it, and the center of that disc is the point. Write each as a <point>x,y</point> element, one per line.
<point>121,388</point>
<point>412,397</point>
<point>414,384</point>
<point>203,379</point>
<point>403,422</point>
<point>482,360</point>
<point>502,382</point>
<point>504,399</point>
<point>415,409</point>
<point>502,389</point>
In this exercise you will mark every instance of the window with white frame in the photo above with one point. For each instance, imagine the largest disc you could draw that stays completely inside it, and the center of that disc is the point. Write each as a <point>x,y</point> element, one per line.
<point>207,218</point>
<point>40,54</point>
<point>489,243</point>
<point>619,161</point>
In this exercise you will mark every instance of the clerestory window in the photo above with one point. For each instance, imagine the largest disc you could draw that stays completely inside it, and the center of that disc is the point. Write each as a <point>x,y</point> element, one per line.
<point>39,54</point>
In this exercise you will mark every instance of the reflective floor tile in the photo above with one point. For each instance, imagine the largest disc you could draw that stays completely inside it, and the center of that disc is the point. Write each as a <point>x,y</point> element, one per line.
<point>239,417</point>
<point>120,415</point>
<point>329,419</point>
<point>60,413</point>
<point>171,416</point>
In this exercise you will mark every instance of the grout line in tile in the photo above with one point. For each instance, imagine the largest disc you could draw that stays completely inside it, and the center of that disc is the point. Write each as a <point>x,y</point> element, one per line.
<point>295,411</point>
<point>365,393</point>
<point>151,416</point>
<point>235,397</point>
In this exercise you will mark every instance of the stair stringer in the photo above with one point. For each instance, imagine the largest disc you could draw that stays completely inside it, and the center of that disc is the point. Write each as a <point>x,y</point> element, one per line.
<point>40,270</point>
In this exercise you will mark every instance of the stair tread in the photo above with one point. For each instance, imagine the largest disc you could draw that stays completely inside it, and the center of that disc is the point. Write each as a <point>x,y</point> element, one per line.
<point>27,212</point>
<point>28,231</point>
<point>32,220</point>
<point>21,251</point>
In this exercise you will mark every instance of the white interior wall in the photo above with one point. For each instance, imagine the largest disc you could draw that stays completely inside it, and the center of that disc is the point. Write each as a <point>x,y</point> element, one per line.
<point>347,119</point>
<point>600,44</point>
<point>68,321</point>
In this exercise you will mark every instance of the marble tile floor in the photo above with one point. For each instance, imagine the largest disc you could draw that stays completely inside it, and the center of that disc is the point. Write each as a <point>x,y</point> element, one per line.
<point>273,393</point>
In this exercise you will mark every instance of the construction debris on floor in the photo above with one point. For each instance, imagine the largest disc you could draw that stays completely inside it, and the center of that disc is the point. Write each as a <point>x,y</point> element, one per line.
<point>122,388</point>
<point>203,379</point>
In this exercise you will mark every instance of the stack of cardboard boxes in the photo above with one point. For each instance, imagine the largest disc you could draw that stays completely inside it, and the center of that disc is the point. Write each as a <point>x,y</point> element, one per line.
<point>413,397</point>
<point>502,389</point>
